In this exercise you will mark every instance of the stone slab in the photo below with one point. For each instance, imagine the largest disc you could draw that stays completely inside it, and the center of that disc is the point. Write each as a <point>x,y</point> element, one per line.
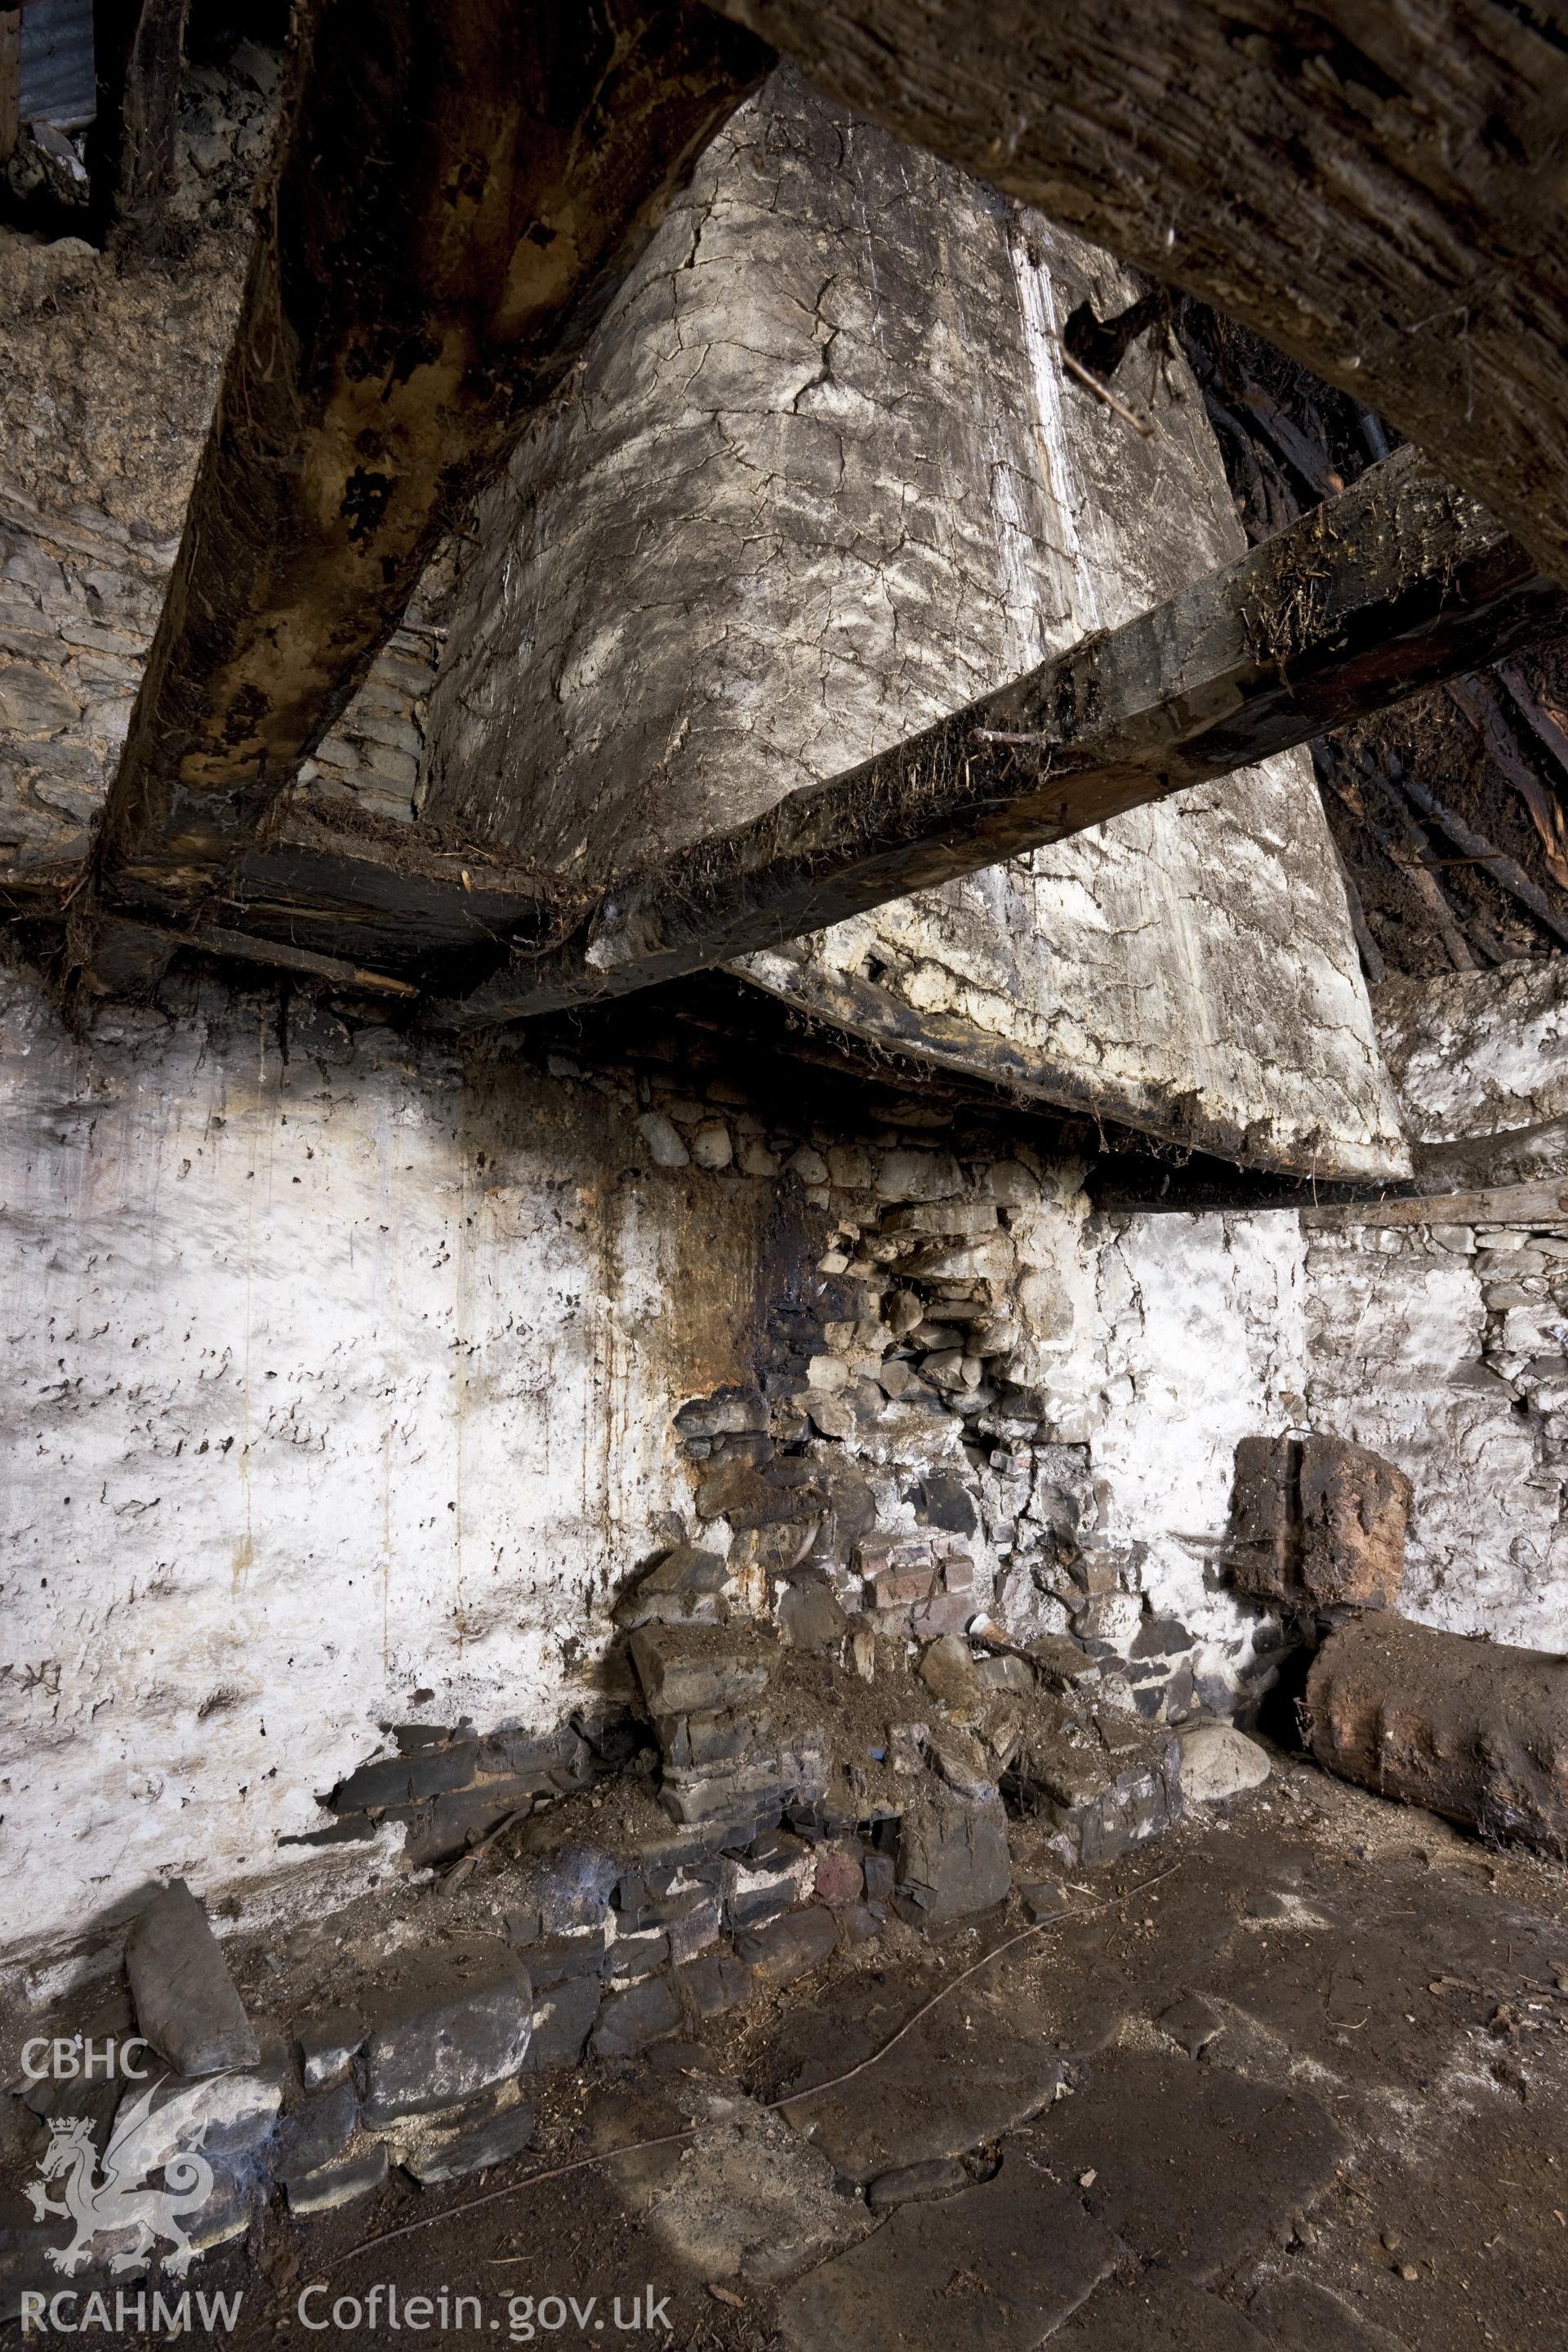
<point>563,2020</point>
<point>456,2022</point>
<point>1220,1762</point>
<point>315,2133</point>
<point>629,2020</point>
<point>328,2045</point>
<point>1300,2315</point>
<point>1193,2166</point>
<point>493,2140</point>
<point>790,1947</point>
<point>221,2115</point>
<point>749,2200</point>
<point>186,2002</point>
<point>952,1856</point>
<point>1154,2311</point>
<point>996,2269</point>
<point>338,2184</point>
<point>968,2071</point>
<point>685,1669</point>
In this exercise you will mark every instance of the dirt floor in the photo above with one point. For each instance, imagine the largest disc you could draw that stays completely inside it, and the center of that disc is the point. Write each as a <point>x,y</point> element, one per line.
<point>1292,2077</point>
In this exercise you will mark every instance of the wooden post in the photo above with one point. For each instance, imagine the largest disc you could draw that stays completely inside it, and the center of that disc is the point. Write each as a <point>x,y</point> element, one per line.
<point>10,81</point>
<point>138,51</point>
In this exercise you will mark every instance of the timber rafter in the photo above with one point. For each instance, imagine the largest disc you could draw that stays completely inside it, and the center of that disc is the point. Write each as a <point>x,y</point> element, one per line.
<point>459,192</point>
<point>1401,582</point>
<point>457,195</point>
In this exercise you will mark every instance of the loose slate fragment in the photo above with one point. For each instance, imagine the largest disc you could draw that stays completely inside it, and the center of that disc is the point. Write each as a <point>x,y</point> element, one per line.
<point>339,2184</point>
<point>629,2020</point>
<point>457,2022</point>
<point>186,2002</point>
<point>328,2043</point>
<point>316,2132</point>
<point>790,1947</point>
<point>952,1856</point>
<point>1219,1762</point>
<point>562,2021</point>
<point>491,2139</point>
<point>685,1669</point>
<point>917,2184</point>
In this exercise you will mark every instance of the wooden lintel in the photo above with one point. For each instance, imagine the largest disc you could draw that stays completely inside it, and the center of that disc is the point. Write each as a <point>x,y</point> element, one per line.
<point>1377,189</point>
<point>457,193</point>
<point>1397,584</point>
<point>1542,1203</point>
<point>387,894</point>
<point>364,893</point>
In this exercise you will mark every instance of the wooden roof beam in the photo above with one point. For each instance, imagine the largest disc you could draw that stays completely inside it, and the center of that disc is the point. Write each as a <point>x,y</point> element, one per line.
<point>1377,188</point>
<point>1397,584</point>
<point>459,192</point>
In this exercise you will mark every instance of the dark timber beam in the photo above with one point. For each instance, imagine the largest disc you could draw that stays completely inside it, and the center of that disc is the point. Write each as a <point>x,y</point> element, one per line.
<point>457,193</point>
<point>139,48</point>
<point>1377,185</point>
<point>1399,583</point>
<point>10,81</point>
<point>369,893</point>
<point>1527,1166</point>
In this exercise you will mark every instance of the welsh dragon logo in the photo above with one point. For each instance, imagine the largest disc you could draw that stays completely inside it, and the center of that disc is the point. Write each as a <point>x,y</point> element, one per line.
<point>116,2199</point>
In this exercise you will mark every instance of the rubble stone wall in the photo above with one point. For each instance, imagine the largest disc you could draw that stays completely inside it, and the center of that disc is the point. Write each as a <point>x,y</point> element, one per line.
<point>350,1382</point>
<point>1446,1346</point>
<point>1478,1053</point>
<point>111,371</point>
<point>80,598</point>
<point>342,1382</point>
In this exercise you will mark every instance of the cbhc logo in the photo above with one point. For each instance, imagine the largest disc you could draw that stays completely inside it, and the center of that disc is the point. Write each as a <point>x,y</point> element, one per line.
<point>81,2058</point>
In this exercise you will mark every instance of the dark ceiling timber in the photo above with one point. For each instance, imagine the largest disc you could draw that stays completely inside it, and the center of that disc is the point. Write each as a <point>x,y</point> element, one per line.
<point>1395,584</point>
<point>1527,1166</point>
<point>457,193</point>
<point>1381,189</point>
<point>138,49</point>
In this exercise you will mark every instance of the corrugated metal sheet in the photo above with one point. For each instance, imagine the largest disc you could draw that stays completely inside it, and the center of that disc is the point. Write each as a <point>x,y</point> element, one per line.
<point>57,83</point>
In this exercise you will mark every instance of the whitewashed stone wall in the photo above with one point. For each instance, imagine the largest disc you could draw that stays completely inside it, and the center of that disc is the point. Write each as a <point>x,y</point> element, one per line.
<point>329,1379</point>
<point>338,1371</point>
<point>1427,1345</point>
<point>1478,1053</point>
<point>80,598</point>
<point>1446,1346</point>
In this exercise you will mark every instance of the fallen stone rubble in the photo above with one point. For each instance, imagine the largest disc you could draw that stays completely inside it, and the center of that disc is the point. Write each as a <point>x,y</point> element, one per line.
<point>781,1786</point>
<point>795,1803</point>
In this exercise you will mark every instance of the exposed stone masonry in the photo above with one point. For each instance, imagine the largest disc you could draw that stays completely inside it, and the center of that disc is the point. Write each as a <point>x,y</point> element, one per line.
<point>79,597</point>
<point>1446,1348</point>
